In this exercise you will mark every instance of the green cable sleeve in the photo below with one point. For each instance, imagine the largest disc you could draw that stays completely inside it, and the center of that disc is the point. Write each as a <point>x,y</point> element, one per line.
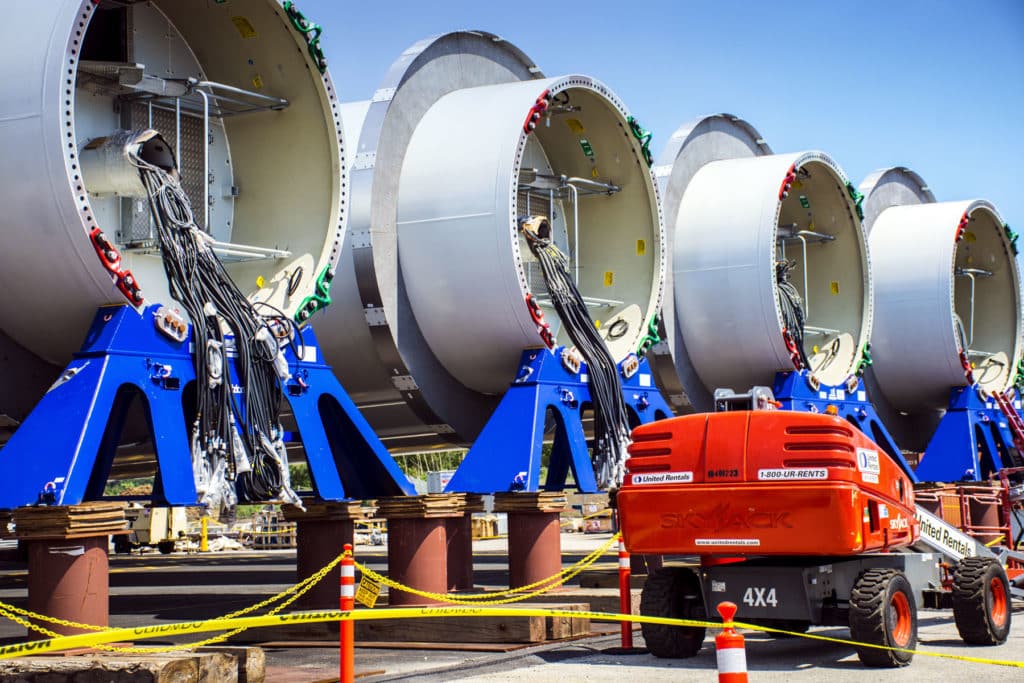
<point>311,31</point>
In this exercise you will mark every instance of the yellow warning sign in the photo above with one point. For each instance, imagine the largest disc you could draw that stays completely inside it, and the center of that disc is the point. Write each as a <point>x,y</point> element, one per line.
<point>245,29</point>
<point>575,126</point>
<point>835,287</point>
<point>257,82</point>
<point>609,278</point>
<point>367,592</point>
<point>641,247</point>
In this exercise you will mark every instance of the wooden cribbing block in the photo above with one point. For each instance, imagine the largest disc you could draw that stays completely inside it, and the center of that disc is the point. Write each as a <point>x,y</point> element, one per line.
<point>477,629</point>
<point>211,667</point>
<point>564,627</point>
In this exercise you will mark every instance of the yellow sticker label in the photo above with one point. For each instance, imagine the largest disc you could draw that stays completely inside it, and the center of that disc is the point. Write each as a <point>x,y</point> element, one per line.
<point>970,236</point>
<point>575,126</point>
<point>260,282</point>
<point>609,278</point>
<point>257,82</point>
<point>594,173</point>
<point>367,592</point>
<point>641,247</point>
<point>835,287</point>
<point>245,29</point>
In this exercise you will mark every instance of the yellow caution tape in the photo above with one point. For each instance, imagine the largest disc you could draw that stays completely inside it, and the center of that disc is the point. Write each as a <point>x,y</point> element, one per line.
<point>298,590</point>
<point>164,630</point>
<point>268,532</point>
<point>498,597</point>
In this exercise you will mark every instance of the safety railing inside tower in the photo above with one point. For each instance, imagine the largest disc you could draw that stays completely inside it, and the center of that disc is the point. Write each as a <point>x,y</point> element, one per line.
<point>967,335</point>
<point>793,233</point>
<point>548,194</point>
<point>182,110</point>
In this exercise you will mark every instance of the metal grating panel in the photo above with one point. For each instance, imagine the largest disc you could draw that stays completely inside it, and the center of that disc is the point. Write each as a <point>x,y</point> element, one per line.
<point>539,205</point>
<point>137,223</point>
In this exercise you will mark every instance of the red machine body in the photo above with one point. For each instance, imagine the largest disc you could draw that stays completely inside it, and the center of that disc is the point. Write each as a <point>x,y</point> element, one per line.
<point>772,482</point>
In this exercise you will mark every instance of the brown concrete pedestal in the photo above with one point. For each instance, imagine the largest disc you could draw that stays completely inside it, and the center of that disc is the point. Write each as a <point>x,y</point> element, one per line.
<point>534,535</point>
<point>68,563</point>
<point>418,543</point>
<point>321,534</point>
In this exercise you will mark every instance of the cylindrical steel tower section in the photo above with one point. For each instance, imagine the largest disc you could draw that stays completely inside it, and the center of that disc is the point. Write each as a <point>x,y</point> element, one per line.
<point>471,169</point>
<point>888,187</point>
<point>696,143</point>
<point>884,189</point>
<point>947,310</point>
<point>737,221</point>
<point>244,103</point>
<point>435,311</point>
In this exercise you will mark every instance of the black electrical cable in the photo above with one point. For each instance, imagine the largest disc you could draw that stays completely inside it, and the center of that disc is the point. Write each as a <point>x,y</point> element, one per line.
<point>246,443</point>
<point>611,421</point>
<point>792,308</point>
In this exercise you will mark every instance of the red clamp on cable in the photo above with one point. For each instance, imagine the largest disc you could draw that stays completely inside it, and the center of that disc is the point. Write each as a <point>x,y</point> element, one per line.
<point>794,353</point>
<point>537,316</point>
<point>129,287</point>
<point>538,108</point>
<point>109,256</point>
<point>962,227</point>
<point>787,182</point>
<point>968,370</point>
<point>546,336</point>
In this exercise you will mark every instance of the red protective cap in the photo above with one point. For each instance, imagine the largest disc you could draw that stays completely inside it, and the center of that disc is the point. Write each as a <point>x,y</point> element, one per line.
<point>727,610</point>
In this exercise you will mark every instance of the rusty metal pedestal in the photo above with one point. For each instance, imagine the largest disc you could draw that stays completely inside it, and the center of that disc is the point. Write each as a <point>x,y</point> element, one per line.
<point>534,535</point>
<point>460,545</point>
<point>418,543</point>
<point>68,563</point>
<point>321,534</point>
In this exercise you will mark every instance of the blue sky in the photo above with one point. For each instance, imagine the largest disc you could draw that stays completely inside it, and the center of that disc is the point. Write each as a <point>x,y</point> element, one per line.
<point>936,86</point>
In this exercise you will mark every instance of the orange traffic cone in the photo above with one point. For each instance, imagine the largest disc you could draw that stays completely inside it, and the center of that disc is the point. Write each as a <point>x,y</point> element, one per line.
<point>729,649</point>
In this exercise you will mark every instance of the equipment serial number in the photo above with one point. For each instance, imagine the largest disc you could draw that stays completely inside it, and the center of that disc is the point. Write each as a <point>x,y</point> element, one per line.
<point>723,473</point>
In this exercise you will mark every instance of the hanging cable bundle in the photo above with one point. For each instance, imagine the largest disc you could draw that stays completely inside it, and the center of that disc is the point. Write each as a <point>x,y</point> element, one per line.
<point>792,309</point>
<point>611,422</point>
<point>238,450</point>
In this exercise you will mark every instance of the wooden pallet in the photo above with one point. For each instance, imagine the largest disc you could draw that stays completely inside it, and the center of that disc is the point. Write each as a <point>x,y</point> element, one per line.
<point>68,521</point>
<point>542,501</point>
<point>422,507</point>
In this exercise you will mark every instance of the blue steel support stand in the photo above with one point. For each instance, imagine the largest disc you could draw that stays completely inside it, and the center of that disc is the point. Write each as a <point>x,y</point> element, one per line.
<point>973,439</point>
<point>794,392</point>
<point>507,454</point>
<point>67,444</point>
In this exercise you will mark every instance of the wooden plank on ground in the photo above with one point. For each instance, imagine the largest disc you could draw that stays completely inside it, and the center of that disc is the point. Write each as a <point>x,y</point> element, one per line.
<point>165,668</point>
<point>559,628</point>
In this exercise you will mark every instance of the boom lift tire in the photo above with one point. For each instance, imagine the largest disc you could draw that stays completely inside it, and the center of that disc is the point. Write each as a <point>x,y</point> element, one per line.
<point>883,612</point>
<point>675,593</point>
<point>981,601</point>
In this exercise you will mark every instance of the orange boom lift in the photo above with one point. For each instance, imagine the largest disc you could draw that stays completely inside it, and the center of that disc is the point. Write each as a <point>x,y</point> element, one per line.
<point>801,520</point>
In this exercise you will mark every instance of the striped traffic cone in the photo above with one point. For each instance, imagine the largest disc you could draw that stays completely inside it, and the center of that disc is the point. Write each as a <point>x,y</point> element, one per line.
<point>729,649</point>
<point>347,627</point>
<point>625,595</point>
